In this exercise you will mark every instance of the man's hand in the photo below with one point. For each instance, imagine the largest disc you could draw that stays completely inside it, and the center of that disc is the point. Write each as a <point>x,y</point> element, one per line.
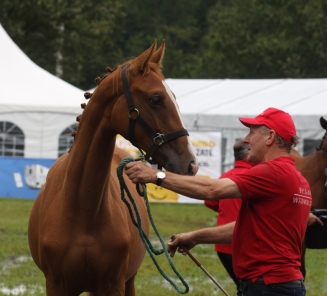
<point>313,219</point>
<point>179,241</point>
<point>138,172</point>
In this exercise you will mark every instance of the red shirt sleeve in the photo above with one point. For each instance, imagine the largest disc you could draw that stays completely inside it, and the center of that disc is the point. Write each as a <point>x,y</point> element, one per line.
<point>213,205</point>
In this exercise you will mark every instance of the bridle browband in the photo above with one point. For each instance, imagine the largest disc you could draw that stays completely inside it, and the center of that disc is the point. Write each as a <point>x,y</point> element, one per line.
<point>158,138</point>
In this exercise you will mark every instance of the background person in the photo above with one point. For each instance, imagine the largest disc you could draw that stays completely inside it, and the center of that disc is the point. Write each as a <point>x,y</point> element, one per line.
<point>228,208</point>
<point>269,230</point>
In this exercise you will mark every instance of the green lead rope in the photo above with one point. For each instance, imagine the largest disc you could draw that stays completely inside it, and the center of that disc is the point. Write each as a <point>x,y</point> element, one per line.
<point>138,223</point>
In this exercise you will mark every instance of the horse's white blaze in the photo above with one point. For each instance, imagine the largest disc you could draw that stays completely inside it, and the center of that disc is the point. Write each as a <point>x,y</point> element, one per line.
<point>170,94</point>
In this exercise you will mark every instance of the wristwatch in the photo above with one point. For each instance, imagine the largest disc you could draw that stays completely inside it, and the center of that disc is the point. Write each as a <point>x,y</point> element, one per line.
<point>160,176</point>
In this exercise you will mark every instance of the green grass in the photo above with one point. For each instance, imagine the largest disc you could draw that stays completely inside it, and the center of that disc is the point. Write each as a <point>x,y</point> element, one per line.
<point>18,273</point>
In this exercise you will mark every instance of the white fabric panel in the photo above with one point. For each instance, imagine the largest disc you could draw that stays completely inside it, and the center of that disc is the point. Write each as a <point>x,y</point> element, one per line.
<point>27,87</point>
<point>41,131</point>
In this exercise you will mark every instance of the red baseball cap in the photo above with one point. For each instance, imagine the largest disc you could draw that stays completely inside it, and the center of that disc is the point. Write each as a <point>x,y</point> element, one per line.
<point>275,119</point>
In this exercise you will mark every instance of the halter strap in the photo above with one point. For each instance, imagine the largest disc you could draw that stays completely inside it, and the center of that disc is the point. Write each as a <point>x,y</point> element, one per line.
<point>157,138</point>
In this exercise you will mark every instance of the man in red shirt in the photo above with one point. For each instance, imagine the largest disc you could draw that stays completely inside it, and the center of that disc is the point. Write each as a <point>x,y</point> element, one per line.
<point>276,199</point>
<point>228,208</point>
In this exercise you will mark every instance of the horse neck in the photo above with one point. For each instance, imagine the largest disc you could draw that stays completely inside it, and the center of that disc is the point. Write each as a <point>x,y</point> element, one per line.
<point>88,171</point>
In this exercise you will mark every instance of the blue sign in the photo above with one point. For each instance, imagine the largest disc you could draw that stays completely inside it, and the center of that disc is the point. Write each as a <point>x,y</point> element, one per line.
<point>23,177</point>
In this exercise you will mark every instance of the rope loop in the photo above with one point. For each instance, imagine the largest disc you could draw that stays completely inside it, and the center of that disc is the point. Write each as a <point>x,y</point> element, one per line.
<point>138,224</point>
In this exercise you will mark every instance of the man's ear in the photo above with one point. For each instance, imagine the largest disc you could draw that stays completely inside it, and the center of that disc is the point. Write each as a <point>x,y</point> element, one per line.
<point>271,137</point>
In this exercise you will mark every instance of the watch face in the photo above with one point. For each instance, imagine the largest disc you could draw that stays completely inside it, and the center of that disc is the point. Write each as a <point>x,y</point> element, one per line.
<point>161,175</point>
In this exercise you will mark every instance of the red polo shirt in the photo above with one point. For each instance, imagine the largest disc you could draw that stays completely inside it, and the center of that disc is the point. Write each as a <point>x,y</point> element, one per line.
<point>268,235</point>
<point>228,208</point>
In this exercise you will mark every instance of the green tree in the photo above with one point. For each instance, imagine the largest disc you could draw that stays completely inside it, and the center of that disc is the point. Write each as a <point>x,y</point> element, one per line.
<point>266,39</point>
<point>181,23</point>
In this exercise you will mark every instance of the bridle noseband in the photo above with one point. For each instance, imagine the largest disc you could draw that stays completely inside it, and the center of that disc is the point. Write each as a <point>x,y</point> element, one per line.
<point>158,138</point>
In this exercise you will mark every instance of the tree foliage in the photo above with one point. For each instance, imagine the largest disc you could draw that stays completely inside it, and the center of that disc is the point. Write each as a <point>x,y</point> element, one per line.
<point>266,39</point>
<point>76,40</point>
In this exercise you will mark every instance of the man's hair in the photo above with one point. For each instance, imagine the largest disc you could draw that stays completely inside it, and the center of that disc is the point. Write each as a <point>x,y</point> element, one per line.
<point>240,150</point>
<point>282,143</point>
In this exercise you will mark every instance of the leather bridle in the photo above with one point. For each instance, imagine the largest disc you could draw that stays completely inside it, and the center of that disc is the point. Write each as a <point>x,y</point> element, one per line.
<point>157,138</point>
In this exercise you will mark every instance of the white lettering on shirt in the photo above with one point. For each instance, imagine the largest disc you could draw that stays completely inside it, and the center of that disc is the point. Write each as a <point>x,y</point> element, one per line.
<point>304,191</point>
<point>303,200</point>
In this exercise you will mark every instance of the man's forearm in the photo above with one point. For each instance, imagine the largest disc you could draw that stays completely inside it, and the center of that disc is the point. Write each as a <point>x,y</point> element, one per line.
<point>199,187</point>
<point>192,186</point>
<point>216,235</point>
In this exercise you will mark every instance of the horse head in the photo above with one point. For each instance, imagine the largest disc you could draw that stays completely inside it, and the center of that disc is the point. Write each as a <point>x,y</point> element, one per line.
<point>145,112</point>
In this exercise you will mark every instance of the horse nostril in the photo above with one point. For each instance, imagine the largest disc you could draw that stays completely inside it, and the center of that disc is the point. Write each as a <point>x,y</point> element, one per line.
<point>192,168</point>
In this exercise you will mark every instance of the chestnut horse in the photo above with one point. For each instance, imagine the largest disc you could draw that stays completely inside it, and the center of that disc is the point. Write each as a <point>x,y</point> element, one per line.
<point>80,232</point>
<point>314,168</point>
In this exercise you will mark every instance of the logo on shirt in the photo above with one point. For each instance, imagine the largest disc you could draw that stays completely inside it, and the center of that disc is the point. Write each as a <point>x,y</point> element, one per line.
<point>303,197</point>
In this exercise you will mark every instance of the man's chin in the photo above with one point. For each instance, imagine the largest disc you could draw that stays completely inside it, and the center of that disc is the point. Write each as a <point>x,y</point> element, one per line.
<point>252,160</point>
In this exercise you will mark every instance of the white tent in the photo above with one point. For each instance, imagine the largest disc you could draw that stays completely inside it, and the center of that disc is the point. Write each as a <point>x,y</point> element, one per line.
<point>216,104</point>
<point>246,97</point>
<point>40,104</point>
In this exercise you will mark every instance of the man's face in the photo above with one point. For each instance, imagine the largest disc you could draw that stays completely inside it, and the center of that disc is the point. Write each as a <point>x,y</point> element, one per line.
<point>256,139</point>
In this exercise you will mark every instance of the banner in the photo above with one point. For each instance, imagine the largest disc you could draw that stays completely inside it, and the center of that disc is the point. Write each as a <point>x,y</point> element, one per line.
<point>23,177</point>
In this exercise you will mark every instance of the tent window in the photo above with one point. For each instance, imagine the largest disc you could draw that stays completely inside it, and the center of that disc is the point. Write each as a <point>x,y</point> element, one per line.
<point>12,140</point>
<point>66,139</point>
<point>310,145</point>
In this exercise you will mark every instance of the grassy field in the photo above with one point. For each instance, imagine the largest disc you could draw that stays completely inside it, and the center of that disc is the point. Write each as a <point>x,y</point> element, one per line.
<point>20,276</point>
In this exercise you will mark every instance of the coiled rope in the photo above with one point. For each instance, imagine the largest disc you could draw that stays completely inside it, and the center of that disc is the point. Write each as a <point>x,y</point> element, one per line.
<point>138,223</point>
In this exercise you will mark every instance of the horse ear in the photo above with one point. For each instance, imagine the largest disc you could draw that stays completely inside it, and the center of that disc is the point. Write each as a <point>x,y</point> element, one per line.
<point>159,54</point>
<point>141,62</point>
<point>323,123</point>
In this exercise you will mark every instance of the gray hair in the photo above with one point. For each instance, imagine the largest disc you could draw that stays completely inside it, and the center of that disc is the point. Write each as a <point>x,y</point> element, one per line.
<point>240,150</point>
<point>282,143</point>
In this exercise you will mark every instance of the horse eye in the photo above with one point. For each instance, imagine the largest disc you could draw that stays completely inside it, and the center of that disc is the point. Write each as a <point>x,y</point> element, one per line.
<point>155,100</point>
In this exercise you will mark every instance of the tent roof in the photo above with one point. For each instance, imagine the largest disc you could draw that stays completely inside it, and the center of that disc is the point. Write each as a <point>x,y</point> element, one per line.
<point>26,87</point>
<point>250,96</point>
<point>211,104</point>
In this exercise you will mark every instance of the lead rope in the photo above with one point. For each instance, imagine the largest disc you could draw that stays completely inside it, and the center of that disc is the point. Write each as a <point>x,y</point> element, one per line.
<point>138,224</point>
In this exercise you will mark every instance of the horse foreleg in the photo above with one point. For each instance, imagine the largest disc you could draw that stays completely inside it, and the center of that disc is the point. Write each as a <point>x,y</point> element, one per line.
<point>130,287</point>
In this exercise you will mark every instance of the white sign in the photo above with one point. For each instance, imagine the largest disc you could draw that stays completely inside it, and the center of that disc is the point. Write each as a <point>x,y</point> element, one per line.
<point>207,148</point>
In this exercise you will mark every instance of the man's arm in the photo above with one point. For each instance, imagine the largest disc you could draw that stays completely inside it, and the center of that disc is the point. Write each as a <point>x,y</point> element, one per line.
<point>215,235</point>
<point>192,186</point>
